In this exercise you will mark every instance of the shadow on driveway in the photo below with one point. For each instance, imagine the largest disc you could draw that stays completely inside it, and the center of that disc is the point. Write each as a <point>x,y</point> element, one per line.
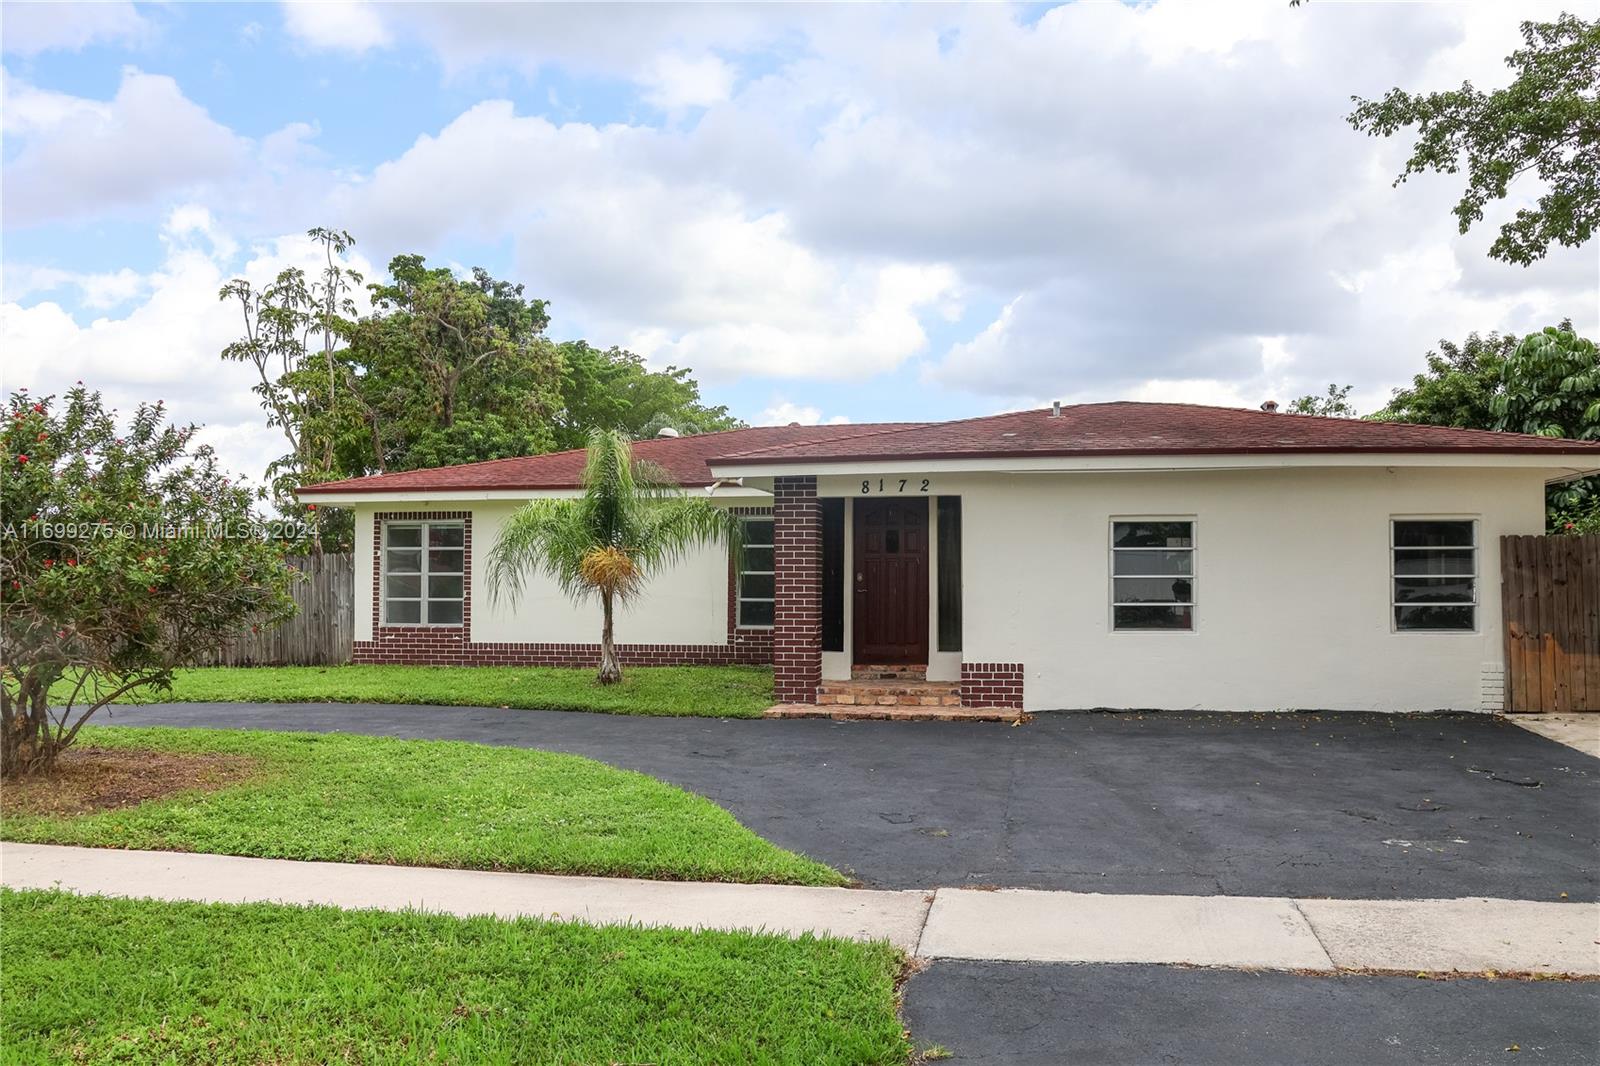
<point>1343,805</point>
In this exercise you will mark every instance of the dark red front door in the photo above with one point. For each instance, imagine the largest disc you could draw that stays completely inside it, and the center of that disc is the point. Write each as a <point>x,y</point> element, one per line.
<point>891,581</point>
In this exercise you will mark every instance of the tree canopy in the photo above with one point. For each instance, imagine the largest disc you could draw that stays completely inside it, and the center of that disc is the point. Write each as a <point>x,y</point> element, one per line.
<point>1546,122</point>
<point>443,370</point>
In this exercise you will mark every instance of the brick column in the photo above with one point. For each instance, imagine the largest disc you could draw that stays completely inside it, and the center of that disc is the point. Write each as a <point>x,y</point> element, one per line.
<point>797,622</point>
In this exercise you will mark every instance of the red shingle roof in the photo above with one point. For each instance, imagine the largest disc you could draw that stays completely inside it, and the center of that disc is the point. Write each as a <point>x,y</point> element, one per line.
<point>1127,428</point>
<point>684,458</point>
<point>1083,430</point>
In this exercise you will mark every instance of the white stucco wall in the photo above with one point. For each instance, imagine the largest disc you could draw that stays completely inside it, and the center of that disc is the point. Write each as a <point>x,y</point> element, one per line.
<point>1292,587</point>
<point>687,604</point>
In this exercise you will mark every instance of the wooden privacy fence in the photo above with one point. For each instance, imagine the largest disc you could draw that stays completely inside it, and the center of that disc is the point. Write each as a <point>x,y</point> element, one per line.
<point>321,632</point>
<point>1550,596</point>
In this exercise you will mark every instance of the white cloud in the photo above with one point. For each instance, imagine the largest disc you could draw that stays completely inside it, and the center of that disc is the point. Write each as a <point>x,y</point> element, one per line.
<point>683,272</point>
<point>79,157</point>
<point>97,291</point>
<point>339,25</point>
<point>168,345</point>
<point>784,413</point>
<point>31,28</point>
<point>1151,201</point>
<point>673,81</point>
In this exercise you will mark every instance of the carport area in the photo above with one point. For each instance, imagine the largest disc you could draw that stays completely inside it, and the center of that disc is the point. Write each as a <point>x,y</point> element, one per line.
<point>1303,805</point>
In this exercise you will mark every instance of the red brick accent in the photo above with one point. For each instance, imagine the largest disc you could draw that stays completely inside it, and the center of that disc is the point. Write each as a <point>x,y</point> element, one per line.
<point>991,684</point>
<point>453,645</point>
<point>797,629</point>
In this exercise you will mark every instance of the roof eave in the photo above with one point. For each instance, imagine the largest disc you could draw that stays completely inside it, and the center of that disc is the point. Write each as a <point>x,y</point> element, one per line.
<point>1580,463</point>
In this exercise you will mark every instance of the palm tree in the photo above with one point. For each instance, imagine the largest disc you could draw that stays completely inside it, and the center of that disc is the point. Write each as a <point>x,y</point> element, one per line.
<point>631,521</point>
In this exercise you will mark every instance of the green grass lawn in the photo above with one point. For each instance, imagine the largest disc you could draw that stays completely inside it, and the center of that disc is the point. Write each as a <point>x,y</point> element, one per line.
<point>711,691</point>
<point>95,980</point>
<point>427,803</point>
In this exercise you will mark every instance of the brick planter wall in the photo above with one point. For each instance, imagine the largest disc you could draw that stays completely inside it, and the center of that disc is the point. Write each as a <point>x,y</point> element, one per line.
<point>453,645</point>
<point>991,685</point>
<point>797,625</point>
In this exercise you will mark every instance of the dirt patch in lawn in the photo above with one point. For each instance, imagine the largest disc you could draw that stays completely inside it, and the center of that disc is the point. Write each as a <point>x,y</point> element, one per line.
<point>89,779</point>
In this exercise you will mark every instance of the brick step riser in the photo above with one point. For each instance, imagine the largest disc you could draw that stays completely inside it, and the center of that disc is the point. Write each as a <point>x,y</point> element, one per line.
<point>855,699</point>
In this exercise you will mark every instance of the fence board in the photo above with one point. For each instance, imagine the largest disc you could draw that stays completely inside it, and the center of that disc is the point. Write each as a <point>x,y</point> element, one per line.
<point>322,631</point>
<point>1550,597</point>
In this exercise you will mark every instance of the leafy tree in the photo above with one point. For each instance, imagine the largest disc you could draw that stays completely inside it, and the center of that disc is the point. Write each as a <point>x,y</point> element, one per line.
<point>454,370</point>
<point>1458,386</point>
<point>1334,404</point>
<point>1546,121</point>
<point>1546,383</point>
<point>631,522</point>
<point>123,555</point>
<point>612,389</point>
<point>292,328</point>
<point>1550,386</point>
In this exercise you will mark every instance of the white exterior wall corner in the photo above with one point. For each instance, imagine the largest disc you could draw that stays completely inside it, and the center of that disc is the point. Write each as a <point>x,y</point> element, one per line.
<point>685,604</point>
<point>1292,587</point>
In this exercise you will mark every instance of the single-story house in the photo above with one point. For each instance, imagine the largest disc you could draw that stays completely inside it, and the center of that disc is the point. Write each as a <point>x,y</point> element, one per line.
<point>1124,555</point>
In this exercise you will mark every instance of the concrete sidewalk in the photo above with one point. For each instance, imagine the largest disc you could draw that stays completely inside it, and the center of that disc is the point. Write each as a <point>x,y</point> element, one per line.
<point>1580,732</point>
<point>1469,935</point>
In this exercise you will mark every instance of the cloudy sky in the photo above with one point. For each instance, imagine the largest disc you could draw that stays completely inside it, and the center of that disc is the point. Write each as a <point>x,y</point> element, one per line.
<point>830,213</point>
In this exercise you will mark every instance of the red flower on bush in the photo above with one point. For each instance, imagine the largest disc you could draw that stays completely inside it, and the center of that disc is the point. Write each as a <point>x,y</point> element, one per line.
<point>22,458</point>
<point>48,563</point>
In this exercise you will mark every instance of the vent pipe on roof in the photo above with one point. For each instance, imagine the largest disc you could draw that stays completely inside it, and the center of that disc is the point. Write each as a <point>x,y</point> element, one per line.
<point>1270,406</point>
<point>666,431</point>
<point>1055,409</point>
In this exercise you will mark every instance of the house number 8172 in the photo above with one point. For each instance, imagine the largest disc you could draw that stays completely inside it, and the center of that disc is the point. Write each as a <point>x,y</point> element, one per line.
<point>894,484</point>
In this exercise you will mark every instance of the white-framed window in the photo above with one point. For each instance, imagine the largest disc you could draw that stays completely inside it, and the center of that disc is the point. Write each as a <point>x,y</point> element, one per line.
<point>757,574</point>
<point>1433,573</point>
<point>1152,573</point>
<point>423,577</point>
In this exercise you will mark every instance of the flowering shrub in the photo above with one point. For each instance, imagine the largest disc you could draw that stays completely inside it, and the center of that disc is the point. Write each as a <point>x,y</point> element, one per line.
<point>122,556</point>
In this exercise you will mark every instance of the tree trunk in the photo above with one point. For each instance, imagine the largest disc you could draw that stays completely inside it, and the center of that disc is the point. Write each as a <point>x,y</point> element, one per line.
<point>27,744</point>
<point>610,665</point>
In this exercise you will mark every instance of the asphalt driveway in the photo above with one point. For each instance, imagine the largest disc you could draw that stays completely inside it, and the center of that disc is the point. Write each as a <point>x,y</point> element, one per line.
<point>997,1014</point>
<point>1342,805</point>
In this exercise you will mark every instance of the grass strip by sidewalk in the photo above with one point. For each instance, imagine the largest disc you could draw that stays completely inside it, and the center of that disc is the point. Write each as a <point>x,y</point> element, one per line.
<point>93,980</point>
<point>348,798</point>
<point>705,691</point>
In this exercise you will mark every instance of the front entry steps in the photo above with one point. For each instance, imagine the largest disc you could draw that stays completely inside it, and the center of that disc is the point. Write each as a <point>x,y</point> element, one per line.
<point>901,692</point>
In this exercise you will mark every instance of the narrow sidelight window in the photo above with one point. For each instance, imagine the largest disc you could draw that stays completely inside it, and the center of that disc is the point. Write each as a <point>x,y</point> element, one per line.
<point>758,576</point>
<point>1435,573</point>
<point>832,574</point>
<point>1152,574</point>
<point>423,573</point>
<point>949,572</point>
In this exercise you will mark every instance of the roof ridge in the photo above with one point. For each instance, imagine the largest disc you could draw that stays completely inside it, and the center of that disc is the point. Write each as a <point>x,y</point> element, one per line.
<point>869,429</point>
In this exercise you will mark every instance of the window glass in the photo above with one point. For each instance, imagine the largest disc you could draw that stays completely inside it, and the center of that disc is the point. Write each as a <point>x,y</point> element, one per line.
<point>1442,562</point>
<point>1433,533</point>
<point>424,586</point>
<point>949,576</point>
<point>1152,535</point>
<point>1153,617</point>
<point>754,614</point>
<point>756,577</point>
<point>1434,574</point>
<point>1151,562</point>
<point>1152,568</point>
